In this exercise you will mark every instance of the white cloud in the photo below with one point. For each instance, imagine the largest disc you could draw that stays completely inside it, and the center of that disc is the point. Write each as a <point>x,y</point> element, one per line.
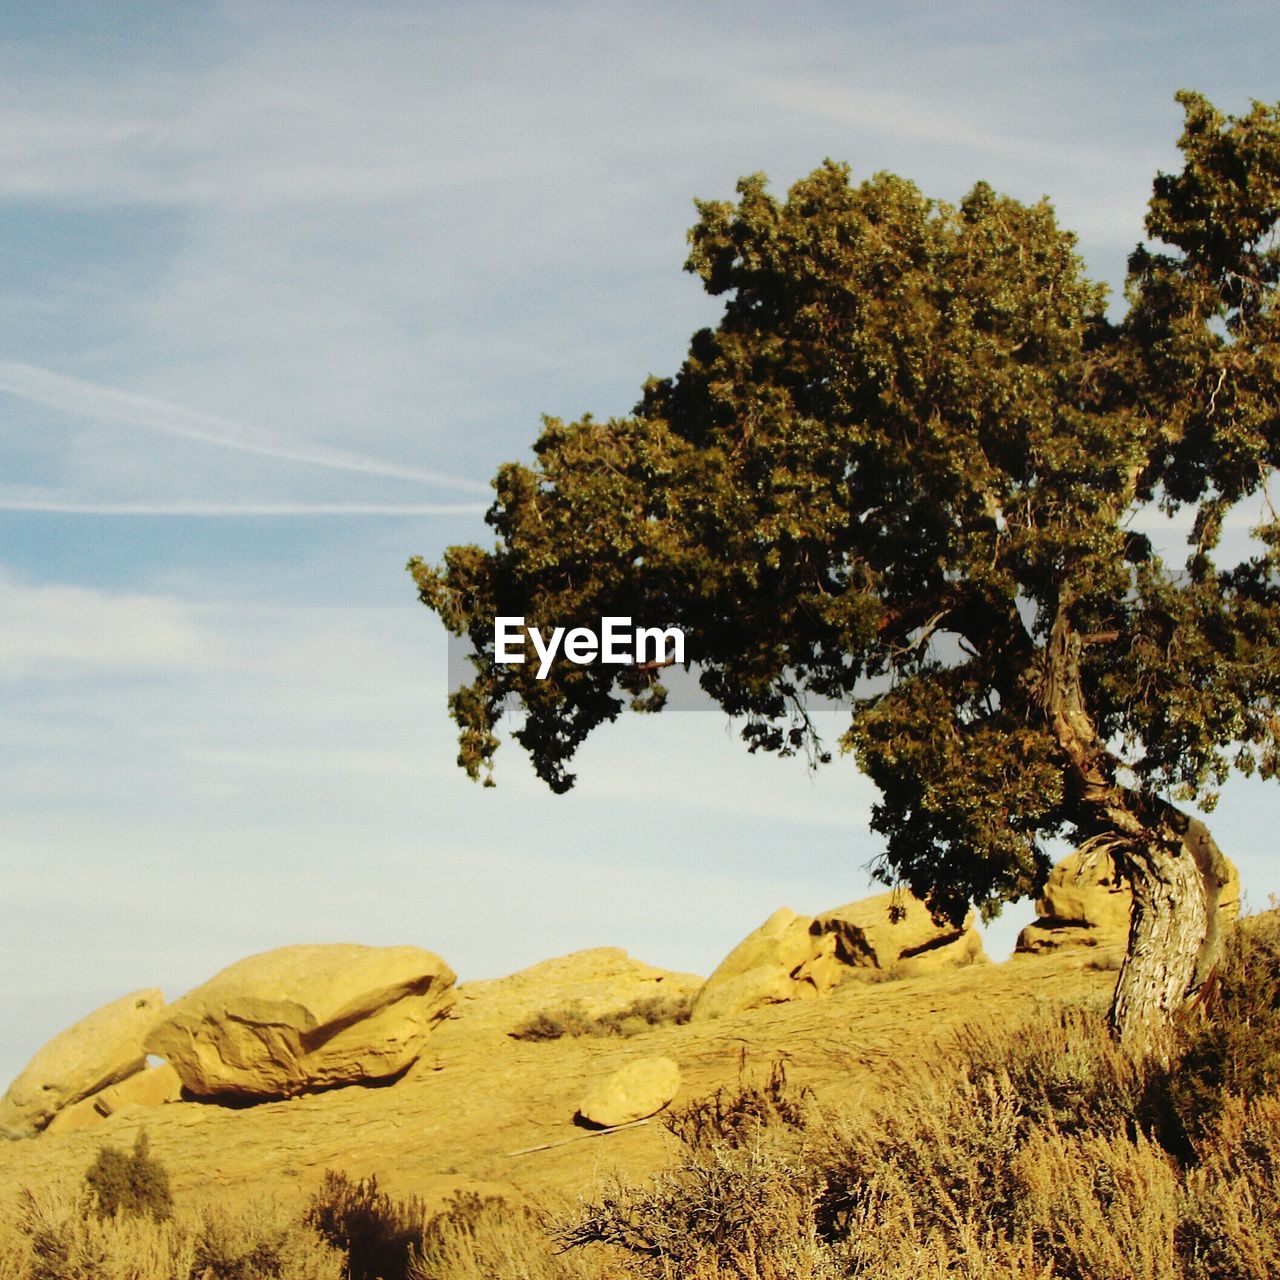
<point>57,632</point>
<point>64,631</point>
<point>413,230</point>
<point>895,114</point>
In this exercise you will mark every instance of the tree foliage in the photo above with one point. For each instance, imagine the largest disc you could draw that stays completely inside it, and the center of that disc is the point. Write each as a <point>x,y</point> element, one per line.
<point>902,471</point>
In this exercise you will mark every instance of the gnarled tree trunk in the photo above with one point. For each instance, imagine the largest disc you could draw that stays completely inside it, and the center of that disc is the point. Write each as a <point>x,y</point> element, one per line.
<point>1172,863</point>
<point>1177,879</point>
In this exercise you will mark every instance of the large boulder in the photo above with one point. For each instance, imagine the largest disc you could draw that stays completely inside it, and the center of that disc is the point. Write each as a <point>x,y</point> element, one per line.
<point>1086,905</point>
<point>639,1089</point>
<point>773,964</point>
<point>895,932</point>
<point>99,1050</point>
<point>303,1018</point>
<point>597,982</point>
<point>794,957</point>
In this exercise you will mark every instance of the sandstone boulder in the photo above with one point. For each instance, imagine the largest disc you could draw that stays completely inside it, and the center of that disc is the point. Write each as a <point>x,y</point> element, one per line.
<point>150,1088</point>
<point>303,1018</point>
<point>1086,906</point>
<point>771,965</point>
<point>895,932</point>
<point>639,1089</point>
<point>794,957</point>
<point>600,981</point>
<point>97,1051</point>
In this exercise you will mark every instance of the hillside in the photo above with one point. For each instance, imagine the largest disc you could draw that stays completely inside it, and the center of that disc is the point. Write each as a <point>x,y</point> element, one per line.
<point>482,1109</point>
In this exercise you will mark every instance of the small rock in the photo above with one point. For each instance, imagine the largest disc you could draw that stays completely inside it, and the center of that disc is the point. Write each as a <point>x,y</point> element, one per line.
<point>639,1089</point>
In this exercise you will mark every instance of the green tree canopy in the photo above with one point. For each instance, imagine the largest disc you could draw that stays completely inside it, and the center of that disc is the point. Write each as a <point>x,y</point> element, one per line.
<point>901,472</point>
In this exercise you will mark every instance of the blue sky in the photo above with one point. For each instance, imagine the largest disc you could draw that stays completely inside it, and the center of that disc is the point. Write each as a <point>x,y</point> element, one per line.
<point>282,285</point>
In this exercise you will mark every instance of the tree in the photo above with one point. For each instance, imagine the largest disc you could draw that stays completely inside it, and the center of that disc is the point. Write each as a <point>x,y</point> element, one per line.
<point>901,472</point>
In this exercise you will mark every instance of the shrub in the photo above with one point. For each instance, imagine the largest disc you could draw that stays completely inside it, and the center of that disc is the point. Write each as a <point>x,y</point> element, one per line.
<point>261,1243</point>
<point>130,1183</point>
<point>1229,1225</point>
<point>481,1237</point>
<point>377,1233</point>
<point>640,1015</point>
<point>745,1208</point>
<point>941,1156</point>
<point>1098,1207</point>
<point>1234,1047</point>
<point>736,1116</point>
<point>66,1237</point>
<point>1067,1071</point>
<point>57,1234</point>
<point>553,1024</point>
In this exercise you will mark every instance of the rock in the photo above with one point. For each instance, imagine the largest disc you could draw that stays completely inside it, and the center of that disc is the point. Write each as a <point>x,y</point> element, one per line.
<point>1086,906</point>
<point>794,957</point>
<point>765,968</point>
<point>639,1089</point>
<point>1086,891</point>
<point>896,932</point>
<point>304,1017</point>
<point>603,980</point>
<point>150,1088</point>
<point>97,1051</point>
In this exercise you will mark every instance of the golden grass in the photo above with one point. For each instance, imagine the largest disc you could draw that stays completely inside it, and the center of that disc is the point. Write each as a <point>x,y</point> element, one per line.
<point>57,1235</point>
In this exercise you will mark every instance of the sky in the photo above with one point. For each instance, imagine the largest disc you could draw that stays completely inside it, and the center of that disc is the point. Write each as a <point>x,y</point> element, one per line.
<point>282,285</point>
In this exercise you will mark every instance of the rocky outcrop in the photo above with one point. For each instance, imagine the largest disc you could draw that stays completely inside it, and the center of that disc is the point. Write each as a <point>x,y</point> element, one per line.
<point>98,1051</point>
<point>303,1018</point>
<point>150,1088</point>
<point>597,982</point>
<point>794,957</point>
<point>635,1091</point>
<point>895,933</point>
<point>771,965</point>
<point>1086,904</point>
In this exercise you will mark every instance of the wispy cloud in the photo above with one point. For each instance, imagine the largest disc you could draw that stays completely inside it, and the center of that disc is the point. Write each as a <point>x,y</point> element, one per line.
<point>94,400</point>
<point>91,507</point>
<point>58,630</point>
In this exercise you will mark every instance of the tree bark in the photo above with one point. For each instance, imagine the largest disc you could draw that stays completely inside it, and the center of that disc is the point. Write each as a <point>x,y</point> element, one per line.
<point>1177,878</point>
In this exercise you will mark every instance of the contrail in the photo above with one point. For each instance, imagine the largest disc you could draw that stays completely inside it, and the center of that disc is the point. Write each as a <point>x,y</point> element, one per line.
<point>90,507</point>
<point>94,400</point>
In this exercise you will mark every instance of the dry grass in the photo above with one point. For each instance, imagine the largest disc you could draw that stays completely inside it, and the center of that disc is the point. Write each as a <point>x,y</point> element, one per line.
<point>1038,1150</point>
<point>59,1235</point>
<point>496,1240</point>
<point>640,1015</point>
